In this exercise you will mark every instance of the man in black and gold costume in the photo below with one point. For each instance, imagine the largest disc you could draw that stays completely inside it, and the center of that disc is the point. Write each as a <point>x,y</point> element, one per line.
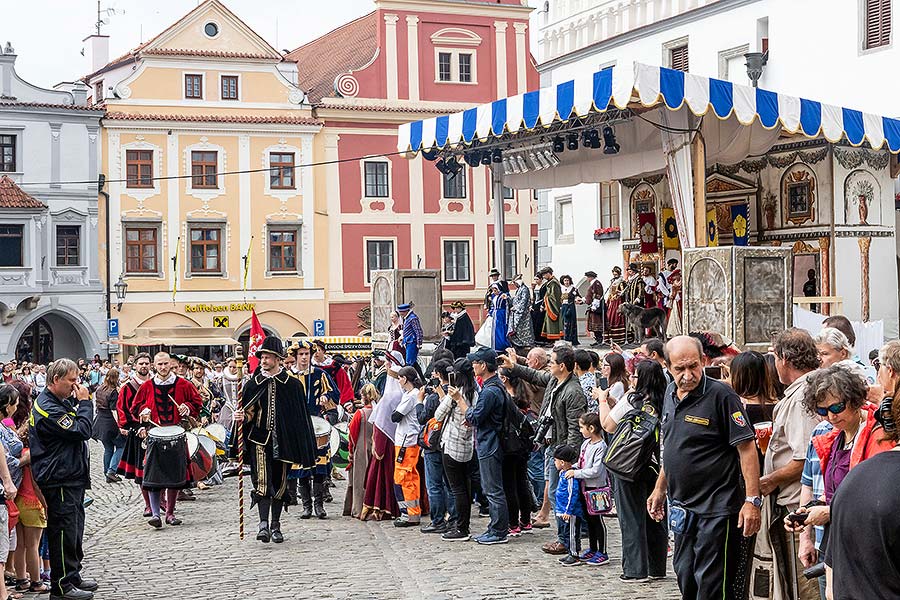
<point>278,433</point>
<point>321,396</point>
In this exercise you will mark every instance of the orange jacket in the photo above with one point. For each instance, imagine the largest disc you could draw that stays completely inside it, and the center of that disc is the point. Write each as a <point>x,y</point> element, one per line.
<point>871,441</point>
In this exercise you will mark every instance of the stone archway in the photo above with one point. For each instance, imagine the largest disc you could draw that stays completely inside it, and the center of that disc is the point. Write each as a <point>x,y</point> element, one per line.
<point>52,334</point>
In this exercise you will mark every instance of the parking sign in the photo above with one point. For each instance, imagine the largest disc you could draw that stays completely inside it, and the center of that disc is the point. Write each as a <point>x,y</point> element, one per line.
<point>112,328</point>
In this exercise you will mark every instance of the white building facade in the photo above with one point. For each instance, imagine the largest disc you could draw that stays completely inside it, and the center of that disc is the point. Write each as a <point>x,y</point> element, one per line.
<point>843,56</point>
<point>51,291</point>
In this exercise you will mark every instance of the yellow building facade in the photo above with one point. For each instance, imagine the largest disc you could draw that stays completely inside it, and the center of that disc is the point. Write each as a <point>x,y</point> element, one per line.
<point>212,210</point>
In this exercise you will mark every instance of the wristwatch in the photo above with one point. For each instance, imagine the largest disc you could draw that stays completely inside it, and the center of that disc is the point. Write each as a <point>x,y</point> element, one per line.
<point>754,500</point>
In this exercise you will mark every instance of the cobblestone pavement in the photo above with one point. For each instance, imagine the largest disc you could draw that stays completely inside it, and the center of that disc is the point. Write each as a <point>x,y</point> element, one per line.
<point>339,558</point>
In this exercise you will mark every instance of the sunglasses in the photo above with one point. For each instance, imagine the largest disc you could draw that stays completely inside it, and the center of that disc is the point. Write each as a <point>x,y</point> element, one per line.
<point>834,409</point>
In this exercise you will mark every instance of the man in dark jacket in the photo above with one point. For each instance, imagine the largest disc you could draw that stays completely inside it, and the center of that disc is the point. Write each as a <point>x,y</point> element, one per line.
<point>60,426</point>
<point>564,402</point>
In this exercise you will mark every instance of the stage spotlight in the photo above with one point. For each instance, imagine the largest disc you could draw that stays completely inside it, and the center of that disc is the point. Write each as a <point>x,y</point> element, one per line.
<point>595,139</point>
<point>453,166</point>
<point>572,141</point>
<point>551,158</point>
<point>441,166</point>
<point>523,166</point>
<point>497,155</point>
<point>486,158</point>
<point>609,141</point>
<point>473,159</point>
<point>558,144</point>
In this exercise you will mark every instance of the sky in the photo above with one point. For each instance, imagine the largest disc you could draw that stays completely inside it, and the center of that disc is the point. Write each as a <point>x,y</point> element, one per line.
<point>47,34</point>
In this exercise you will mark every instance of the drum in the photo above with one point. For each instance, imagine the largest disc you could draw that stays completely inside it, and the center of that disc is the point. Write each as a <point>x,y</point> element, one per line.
<point>322,429</point>
<point>166,460</point>
<point>201,450</point>
<point>216,432</point>
<point>340,445</point>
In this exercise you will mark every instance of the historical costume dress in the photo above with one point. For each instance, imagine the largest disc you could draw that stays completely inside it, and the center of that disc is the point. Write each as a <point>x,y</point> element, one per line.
<point>230,384</point>
<point>552,329</point>
<point>462,338</point>
<point>521,327</point>
<point>131,465</point>
<point>649,300</point>
<point>615,321</point>
<point>278,433</point>
<point>379,501</point>
<point>499,312</point>
<point>569,314</point>
<point>360,446</point>
<point>537,311</point>
<point>340,383</point>
<point>412,336</point>
<point>596,309</point>
<point>674,327</point>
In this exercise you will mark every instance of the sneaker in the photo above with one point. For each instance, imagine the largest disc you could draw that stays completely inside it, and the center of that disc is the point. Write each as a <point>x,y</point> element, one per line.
<point>435,528</point>
<point>483,511</point>
<point>455,535</point>
<point>657,577</point>
<point>87,501</point>
<point>475,538</point>
<point>587,555</point>
<point>628,579</point>
<point>526,528</point>
<point>515,532</point>
<point>598,559</point>
<point>491,539</point>
<point>570,561</point>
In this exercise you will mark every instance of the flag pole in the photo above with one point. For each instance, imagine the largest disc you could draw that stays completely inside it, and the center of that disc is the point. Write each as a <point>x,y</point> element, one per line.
<point>239,361</point>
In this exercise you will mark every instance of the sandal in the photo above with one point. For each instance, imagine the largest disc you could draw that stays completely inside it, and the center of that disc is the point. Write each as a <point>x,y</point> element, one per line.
<point>22,585</point>
<point>39,587</point>
<point>14,596</point>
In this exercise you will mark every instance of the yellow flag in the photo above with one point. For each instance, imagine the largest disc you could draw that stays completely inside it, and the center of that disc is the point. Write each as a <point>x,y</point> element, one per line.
<point>670,230</point>
<point>247,263</point>
<point>712,230</point>
<point>175,268</point>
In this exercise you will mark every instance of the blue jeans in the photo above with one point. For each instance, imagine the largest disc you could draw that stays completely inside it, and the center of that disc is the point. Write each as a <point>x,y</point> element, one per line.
<point>112,454</point>
<point>552,476</point>
<point>491,468</point>
<point>536,474</point>
<point>439,497</point>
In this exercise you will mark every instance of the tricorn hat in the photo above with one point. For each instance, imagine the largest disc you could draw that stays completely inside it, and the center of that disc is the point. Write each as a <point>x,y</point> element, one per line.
<point>272,345</point>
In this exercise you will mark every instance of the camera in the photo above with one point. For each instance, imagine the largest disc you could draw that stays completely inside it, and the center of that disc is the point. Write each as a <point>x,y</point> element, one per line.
<point>543,426</point>
<point>429,389</point>
<point>797,518</point>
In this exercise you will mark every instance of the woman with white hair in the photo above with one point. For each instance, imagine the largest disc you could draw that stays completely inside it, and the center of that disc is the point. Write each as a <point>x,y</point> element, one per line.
<point>833,347</point>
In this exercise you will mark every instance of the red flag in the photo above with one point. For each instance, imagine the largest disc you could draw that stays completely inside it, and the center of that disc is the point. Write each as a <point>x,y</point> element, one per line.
<point>257,335</point>
<point>647,232</point>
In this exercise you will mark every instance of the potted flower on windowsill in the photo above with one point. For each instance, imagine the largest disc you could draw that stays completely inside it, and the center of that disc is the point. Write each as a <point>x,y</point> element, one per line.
<point>606,233</point>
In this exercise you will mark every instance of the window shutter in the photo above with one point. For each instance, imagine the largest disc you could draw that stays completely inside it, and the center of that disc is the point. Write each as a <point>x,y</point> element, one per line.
<point>878,23</point>
<point>679,58</point>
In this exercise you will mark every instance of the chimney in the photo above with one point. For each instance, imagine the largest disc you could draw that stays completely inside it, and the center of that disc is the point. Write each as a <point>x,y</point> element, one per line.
<point>96,49</point>
<point>78,90</point>
<point>7,68</point>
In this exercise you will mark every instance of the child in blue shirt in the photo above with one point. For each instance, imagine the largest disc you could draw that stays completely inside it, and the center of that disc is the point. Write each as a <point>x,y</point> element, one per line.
<point>569,510</point>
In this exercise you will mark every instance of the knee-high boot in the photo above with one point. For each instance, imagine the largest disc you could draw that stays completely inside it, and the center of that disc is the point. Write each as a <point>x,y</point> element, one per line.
<point>319,498</point>
<point>303,486</point>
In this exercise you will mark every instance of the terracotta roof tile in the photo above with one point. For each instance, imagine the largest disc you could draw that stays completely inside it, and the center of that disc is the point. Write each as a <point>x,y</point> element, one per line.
<point>204,53</point>
<point>347,48</point>
<point>254,119</point>
<point>12,196</point>
<point>383,108</point>
<point>50,105</point>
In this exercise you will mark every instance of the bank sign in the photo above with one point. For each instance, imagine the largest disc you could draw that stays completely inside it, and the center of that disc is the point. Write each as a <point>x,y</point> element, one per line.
<point>219,308</point>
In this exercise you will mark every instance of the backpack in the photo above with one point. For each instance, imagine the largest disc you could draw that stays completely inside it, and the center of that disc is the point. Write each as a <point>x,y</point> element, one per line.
<point>430,434</point>
<point>518,430</point>
<point>633,445</point>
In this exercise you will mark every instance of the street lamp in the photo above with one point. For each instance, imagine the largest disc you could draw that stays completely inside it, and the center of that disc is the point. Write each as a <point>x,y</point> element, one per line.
<point>121,289</point>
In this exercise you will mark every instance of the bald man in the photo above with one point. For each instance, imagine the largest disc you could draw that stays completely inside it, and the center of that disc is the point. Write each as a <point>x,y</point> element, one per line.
<point>710,446</point>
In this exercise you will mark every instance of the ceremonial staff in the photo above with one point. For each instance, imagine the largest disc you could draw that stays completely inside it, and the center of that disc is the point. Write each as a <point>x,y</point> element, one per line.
<point>239,361</point>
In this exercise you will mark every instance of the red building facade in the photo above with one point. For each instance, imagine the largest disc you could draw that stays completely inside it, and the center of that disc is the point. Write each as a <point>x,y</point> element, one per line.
<point>407,60</point>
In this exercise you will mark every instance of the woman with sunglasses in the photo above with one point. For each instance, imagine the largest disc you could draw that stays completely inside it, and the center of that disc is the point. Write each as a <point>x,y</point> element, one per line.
<point>838,394</point>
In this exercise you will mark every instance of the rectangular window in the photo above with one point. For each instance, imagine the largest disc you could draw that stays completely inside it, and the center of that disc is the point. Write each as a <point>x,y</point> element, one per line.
<point>877,23</point>
<point>510,262</point>
<point>444,66</point>
<point>139,168</point>
<point>141,250</point>
<point>193,86</point>
<point>68,244</point>
<point>456,260</point>
<point>205,250</point>
<point>609,205</point>
<point>465,68</point>
<point>7,153</point>
<point>203,169</point>
<point>281,171</point>
<point>229,87</point>
<point>11,245</point>
<point>376,174</point>
<point>678,58</point>
<point>283,250</point>
<point>379,255</point>
<point>98,92</point>
<point>455,184</point>
<point>565,219</point>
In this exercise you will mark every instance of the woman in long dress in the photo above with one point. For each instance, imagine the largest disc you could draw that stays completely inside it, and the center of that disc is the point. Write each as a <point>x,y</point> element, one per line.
<point>521,326</point>
<point>379,502</point>
<point>568,311</point>
<point>360,447</point>
<point>615,322</point>
<point>499,310</point>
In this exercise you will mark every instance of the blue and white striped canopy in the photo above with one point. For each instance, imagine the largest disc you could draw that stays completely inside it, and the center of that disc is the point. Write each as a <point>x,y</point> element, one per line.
<point>650,87</point>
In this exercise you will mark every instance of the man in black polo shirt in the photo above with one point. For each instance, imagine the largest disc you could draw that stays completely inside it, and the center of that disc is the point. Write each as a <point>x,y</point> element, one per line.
<point>708,446</point>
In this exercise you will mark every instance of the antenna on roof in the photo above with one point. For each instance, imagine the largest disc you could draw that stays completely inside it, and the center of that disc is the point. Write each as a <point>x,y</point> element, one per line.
<point>109,11</point>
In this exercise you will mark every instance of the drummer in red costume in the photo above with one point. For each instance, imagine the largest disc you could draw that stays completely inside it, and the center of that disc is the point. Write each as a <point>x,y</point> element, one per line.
<point>132,464</point>
<point>165,400</point>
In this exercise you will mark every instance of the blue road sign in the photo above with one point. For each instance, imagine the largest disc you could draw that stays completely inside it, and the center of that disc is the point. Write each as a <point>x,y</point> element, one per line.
<point>319,327</point>
<point>112,328</point>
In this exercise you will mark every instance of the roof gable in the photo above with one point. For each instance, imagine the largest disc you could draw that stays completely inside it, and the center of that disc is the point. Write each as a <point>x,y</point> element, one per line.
<point>12,196</point>
<point>187,37</point>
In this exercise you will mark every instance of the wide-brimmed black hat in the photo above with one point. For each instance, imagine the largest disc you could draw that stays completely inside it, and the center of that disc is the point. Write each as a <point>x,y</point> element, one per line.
<point>590,274</point>
<point>272,345</point>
